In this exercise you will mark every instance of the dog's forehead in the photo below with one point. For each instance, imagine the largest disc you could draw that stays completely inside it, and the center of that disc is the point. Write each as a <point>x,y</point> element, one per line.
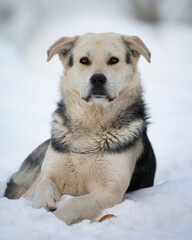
<point>103,41</point>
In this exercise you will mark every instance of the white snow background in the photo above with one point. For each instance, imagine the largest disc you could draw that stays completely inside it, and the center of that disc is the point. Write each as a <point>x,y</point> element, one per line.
<point>28,95</point>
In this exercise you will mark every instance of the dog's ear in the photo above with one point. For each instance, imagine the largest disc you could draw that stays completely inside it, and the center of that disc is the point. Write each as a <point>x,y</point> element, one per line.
<point>137,47</point>
<point>63,45</point>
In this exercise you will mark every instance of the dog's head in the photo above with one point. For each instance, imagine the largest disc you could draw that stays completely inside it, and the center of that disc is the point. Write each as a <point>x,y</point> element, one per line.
<point>99,66</point>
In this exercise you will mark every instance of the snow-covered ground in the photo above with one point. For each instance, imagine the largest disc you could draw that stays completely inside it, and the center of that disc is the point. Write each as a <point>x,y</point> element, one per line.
<point>29,92</point>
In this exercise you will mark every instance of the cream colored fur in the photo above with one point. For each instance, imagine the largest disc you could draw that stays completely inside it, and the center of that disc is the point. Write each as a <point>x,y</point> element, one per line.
<point>98,180</point>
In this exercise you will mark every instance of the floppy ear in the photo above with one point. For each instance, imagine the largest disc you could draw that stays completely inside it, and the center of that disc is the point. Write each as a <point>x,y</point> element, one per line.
<point>136,44</point>
<point>63,45</point>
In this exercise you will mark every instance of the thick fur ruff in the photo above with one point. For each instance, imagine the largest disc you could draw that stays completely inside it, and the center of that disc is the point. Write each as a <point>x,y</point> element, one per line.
<point>99,149</point>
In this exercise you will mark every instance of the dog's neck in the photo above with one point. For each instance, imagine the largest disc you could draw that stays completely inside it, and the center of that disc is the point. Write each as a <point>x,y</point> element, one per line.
<point>81,128</point>
<point>89,116</point>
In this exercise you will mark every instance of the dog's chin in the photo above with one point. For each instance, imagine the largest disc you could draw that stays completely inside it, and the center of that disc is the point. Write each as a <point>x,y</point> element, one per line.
<point>98,99</point>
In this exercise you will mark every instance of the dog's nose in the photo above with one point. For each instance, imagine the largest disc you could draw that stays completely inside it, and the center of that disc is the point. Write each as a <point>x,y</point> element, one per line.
<point>98,79</point>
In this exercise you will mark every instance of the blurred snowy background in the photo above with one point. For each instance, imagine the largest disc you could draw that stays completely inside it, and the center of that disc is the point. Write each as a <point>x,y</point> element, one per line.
<point>29,92</point>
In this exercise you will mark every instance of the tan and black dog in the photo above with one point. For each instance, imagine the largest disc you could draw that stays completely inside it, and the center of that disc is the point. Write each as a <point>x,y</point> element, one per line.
<point>99,147</point>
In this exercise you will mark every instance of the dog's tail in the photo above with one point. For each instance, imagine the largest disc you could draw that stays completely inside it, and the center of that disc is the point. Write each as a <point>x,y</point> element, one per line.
<point>22,180</point>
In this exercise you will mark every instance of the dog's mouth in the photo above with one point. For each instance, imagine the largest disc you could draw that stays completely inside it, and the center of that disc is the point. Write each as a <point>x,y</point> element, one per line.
<point>98,97</point>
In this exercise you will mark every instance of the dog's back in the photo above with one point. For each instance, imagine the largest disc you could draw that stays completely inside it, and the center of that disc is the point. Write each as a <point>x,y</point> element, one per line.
<point>22,180</point>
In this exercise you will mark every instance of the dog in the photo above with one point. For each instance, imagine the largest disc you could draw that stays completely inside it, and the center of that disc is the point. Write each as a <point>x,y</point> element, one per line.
<point>99,148</point>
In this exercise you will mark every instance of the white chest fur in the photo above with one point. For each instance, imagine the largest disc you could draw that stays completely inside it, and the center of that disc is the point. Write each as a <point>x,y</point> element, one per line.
<point>79,174</point>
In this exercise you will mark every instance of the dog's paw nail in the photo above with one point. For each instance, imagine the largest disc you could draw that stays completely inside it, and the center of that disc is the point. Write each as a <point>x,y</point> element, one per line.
<point>52,209</point>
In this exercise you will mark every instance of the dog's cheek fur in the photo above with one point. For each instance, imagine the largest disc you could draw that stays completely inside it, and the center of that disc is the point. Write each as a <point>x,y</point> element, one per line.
<point>119,79</point>
<point>78,79</point>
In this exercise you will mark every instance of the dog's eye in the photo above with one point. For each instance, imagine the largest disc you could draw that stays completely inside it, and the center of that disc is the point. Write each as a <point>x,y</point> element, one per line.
<point>113,60</point>
<point>85,61</point>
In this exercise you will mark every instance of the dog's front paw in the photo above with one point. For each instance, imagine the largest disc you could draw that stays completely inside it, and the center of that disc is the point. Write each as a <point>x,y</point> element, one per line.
<point>40,201</point>
<point>66,216</point>
<point>44,197</point>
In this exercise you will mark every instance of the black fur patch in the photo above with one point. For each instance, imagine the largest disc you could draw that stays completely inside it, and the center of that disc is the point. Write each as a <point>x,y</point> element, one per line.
<point>10,190</point>
<point>58,145</point>
<point>36,158</point>
<point>70,63</point>
<point>120,147</point>
<point>130,113</point>
<point>32,164</point>
<point>57,137</point>
<point>144,173</point>
<point>128,58</point>
<point>61,111</point>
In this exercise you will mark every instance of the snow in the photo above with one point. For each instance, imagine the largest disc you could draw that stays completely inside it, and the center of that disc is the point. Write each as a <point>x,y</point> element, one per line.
<point>161,212</point>
<point>29,92</point>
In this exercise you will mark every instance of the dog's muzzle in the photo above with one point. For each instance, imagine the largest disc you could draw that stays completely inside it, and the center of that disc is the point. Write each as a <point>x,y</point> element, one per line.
<point>98,81</point>
<point>98,88</point>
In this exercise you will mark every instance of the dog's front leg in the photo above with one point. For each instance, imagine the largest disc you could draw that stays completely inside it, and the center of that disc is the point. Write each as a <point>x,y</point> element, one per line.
<point>88,206</point>
<point>45,191</point>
